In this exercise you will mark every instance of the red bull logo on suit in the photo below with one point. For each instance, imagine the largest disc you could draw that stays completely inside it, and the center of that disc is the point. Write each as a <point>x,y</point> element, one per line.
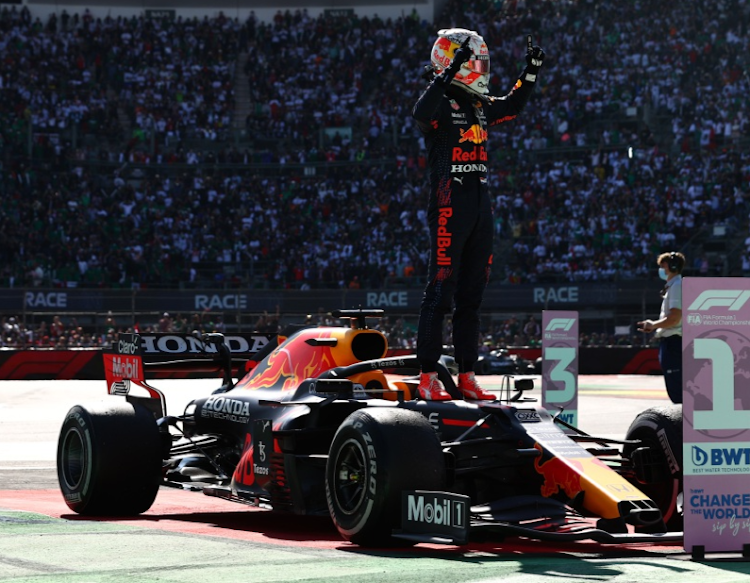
<point>475,134</point>
<point>444,236</point>
<point>478,154</point>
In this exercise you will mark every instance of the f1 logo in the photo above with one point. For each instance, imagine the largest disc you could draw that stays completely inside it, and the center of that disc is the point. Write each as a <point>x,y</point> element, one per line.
<point>732,299</point>
<point>564,324</point>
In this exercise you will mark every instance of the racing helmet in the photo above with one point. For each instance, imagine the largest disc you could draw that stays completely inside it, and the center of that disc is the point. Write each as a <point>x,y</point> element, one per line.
<point>474,75</point>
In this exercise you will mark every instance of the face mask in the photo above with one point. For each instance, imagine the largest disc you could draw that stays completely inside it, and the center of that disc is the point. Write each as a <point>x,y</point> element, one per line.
<point>663,273</point>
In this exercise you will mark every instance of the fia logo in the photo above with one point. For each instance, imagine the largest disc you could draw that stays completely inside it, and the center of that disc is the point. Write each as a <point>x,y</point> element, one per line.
<point>694,319</point>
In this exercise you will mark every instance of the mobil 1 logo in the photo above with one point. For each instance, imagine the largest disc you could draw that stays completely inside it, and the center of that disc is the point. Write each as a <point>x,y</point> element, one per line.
<point>435,514</point>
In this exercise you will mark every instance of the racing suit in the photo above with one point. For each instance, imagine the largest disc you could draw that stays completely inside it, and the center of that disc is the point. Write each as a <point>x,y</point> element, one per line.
<point>454,122</point>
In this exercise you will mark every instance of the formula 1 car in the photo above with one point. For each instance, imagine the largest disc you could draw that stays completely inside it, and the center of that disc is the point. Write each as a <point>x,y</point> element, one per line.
<point>324,423</point>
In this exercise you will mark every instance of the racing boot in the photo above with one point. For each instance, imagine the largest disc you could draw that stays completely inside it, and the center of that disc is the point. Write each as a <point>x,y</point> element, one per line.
<point>470,389</point>
<point>431,389</point>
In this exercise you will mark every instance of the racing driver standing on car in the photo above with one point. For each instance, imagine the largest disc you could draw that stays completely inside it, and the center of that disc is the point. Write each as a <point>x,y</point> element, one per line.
<point>454,113</point>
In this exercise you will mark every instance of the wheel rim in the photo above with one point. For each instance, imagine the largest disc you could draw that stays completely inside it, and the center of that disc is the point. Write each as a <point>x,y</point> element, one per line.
<point>350,477</point>
<point>73,459</point>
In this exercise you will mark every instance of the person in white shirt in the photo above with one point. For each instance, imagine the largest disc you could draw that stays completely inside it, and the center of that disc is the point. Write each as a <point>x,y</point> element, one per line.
<point>668,327</point>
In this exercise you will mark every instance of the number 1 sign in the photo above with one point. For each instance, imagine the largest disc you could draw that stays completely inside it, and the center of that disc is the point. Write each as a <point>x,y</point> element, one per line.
<point>716,413</point>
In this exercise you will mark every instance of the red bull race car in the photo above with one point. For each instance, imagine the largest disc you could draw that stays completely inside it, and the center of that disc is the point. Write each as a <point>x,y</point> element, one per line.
<point>325,423</point>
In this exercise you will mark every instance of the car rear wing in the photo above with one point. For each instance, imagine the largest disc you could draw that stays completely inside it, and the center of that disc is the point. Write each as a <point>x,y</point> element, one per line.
<point>180,355</point>
<point>132,355</point>
<point>123,364</point>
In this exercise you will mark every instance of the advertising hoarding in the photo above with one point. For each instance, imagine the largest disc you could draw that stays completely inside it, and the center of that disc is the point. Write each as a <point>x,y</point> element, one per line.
<point>560,363</point>
<point>716,413</point>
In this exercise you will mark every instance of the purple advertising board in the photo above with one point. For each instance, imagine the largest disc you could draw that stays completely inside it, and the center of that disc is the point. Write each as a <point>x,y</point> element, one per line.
<point>560,363</point>
<point>716,413</point>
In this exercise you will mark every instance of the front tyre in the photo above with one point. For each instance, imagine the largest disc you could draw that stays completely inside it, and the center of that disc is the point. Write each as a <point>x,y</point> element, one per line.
<point>109,459</point>
<point>376,454</point>
<point>660,430</point>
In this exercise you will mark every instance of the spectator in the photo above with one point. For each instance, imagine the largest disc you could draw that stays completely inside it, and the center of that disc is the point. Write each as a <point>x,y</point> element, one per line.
<point>531,329</point>
<point>165,323</point>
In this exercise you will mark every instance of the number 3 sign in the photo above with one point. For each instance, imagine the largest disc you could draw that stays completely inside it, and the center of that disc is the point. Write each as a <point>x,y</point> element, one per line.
<point>560,364</point>
<point>716,413</point>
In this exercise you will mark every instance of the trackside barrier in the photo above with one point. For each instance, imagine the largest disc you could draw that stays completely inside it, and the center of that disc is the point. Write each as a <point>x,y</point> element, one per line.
<point>171,352</point>
<point>86,363</point>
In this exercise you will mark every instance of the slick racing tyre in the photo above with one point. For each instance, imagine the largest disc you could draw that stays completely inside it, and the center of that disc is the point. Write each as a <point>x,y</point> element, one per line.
<point>375,455</point>
<point>109,459</point>
<point>660,430</point>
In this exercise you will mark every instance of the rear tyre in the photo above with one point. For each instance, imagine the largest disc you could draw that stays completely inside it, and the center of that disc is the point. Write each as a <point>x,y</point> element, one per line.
<point>376,454</point>
<point>660,429</point>
<point>109,459</point>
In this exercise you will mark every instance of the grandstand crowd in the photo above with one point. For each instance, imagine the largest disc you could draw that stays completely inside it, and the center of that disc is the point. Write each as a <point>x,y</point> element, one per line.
<point>599,215</point>
<point>635,138</point>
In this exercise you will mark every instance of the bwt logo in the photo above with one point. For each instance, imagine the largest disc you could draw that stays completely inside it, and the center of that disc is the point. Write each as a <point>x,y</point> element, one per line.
<point>700,457</point>
<point>725,456</point>
<point>564,324</point>
<point>732,299</point>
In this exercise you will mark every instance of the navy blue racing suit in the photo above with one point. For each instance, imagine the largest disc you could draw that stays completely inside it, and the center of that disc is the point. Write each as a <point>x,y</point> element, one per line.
<point>459,214</point>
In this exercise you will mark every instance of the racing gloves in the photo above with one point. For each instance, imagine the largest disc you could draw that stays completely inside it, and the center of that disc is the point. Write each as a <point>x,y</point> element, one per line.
<point>534,59</point>
<point>462,54</point>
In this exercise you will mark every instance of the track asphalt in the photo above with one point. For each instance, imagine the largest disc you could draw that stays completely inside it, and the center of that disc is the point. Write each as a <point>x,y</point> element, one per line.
<point>189,537</point>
